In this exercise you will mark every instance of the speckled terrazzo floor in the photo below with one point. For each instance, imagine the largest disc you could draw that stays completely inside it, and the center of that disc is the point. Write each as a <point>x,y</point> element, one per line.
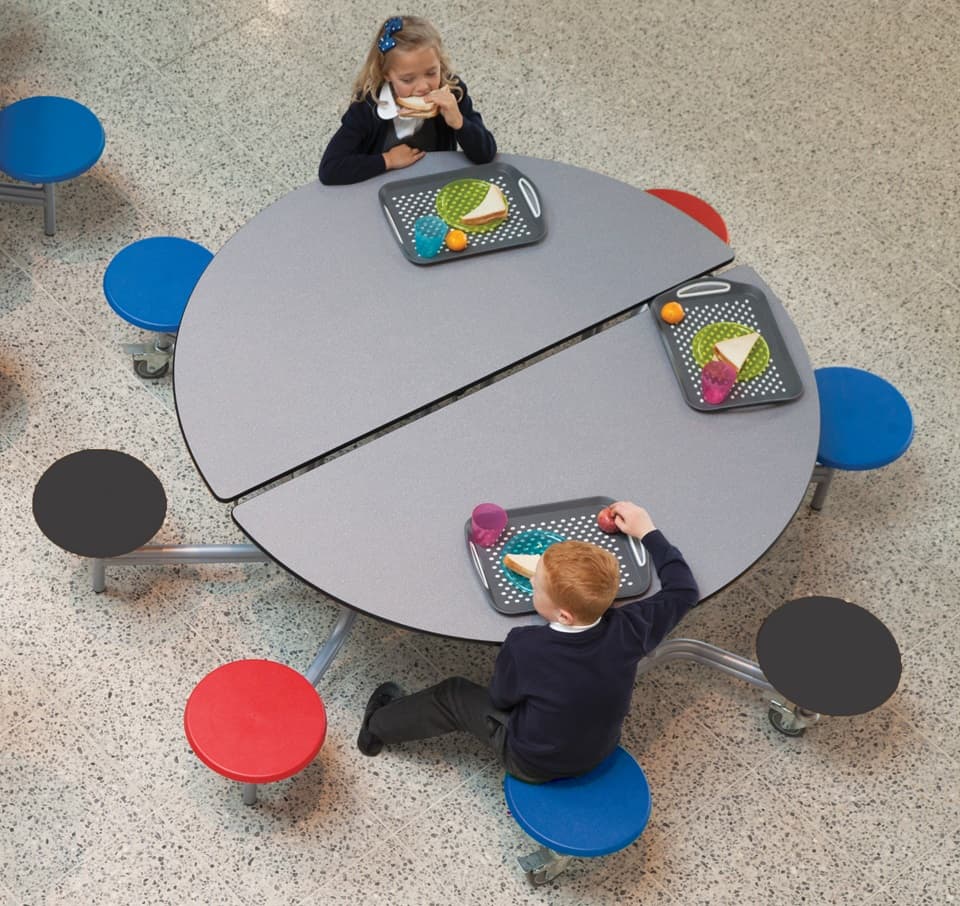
<point>827,136</point>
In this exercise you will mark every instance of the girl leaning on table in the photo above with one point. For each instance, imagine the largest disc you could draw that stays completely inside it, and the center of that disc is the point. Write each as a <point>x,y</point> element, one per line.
<point>407,59</point>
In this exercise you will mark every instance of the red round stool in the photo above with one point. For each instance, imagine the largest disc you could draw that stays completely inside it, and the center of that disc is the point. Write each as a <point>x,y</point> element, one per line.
<point>696,208</point>
<point>255,721</point>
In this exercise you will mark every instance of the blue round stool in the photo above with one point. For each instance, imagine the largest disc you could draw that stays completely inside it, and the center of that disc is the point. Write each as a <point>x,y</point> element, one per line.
<point>148,283</point>
<point>865,423</point>
<point>46,140</point>
<point>595,814</point>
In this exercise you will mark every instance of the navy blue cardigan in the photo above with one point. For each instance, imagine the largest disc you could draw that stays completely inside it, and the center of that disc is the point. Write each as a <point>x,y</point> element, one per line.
<point>355,152</point>
<point>568,693</point>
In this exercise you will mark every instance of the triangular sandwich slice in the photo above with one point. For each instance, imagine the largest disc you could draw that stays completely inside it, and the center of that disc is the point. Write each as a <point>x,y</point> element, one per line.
<point>524,564</point>
<point>493,207</point>
<point>736,349</point>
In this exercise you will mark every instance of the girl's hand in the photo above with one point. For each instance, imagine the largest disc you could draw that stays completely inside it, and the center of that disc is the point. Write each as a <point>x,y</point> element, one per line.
<point>446,101</point>
<point>632,519</point>
<point>400,156</point>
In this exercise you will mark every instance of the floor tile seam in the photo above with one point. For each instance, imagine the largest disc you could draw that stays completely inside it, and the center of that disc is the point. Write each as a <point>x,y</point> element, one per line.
<point>813,830</point>
<point>10,726</point>
<point>163,819</point>
<point>89,342</point>
<point>409,822</point>
<point>13,444</point>
<point>925,734</point>
<point>159,69</point>
<point>879,227</point>
<point>173,60</point>
<point>918,862</point>
<point>332,887</point>
<point>727,747</point>
<point>153,638</point>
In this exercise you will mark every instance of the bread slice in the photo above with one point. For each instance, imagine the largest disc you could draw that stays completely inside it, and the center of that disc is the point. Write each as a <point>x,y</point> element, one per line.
<point>736,349</point>
<point>524,564</point>
<point>493,207</point>
<point>417,107</point>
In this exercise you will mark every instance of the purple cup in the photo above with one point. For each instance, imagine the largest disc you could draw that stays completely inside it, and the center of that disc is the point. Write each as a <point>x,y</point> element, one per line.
<point>487,522</point>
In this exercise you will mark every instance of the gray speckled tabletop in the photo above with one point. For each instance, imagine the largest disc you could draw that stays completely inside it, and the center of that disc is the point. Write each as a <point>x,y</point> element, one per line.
<point>310,329</point>
<point>381,528</point>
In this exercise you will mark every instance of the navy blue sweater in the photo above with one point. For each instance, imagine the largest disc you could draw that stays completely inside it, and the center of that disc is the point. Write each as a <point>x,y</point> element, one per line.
<point>568,693</point>
<point>355,152</point>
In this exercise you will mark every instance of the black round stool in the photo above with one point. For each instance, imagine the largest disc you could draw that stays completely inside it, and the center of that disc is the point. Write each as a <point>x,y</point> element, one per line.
<point>827,656</point>
<point>99,503</point>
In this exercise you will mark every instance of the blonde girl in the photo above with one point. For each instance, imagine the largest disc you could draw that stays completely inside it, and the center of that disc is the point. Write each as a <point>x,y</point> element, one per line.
<point>406,67</point>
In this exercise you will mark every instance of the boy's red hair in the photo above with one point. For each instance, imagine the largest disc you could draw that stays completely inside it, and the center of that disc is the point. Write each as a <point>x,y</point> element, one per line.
<point>581,578</point>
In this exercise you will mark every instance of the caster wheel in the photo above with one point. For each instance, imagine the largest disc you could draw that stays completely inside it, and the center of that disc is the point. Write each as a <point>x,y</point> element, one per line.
<point>776,718</point>
<point>142,370</point>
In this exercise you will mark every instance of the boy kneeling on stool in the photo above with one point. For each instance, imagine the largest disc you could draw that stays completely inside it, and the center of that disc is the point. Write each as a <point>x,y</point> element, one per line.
<point>559,692</point>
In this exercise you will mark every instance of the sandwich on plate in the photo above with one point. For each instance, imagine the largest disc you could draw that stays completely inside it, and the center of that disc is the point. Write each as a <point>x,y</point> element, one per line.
<point>523,564</point>
<point>735,350</point>
<point>492,207</point>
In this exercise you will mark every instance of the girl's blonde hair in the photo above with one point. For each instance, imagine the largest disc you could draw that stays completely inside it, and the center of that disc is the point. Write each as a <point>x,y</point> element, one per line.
<point>415,34</point>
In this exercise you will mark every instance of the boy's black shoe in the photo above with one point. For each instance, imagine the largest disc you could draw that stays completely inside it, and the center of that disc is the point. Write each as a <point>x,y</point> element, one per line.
<point>382,695</point>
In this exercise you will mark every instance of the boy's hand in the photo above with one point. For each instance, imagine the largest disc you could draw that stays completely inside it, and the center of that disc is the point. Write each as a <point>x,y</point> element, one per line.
<point>446,101</point>
<point>400,156</point>
<point>632,519</point>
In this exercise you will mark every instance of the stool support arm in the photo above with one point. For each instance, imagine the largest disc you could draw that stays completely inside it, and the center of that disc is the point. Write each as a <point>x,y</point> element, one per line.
<point>710,655</point>
<point>328,651</point>
<point>42,195</point>
<point>177,553</point>
<point>822,476</point>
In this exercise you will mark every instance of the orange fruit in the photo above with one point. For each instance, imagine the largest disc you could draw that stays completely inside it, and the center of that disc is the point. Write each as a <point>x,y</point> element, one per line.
<point>456,240</point>
<point>672,312</point>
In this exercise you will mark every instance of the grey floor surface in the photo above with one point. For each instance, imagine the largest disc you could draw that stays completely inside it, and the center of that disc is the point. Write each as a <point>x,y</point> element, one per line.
<point>826,134</point>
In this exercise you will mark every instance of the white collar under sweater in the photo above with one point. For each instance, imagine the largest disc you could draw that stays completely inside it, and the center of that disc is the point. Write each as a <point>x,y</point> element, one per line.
<point>563,627</point>
<point>404,126</point>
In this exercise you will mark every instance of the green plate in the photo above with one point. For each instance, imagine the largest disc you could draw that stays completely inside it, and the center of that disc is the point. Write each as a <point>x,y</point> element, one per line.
<point>704,339</point>
<point>460,197</point>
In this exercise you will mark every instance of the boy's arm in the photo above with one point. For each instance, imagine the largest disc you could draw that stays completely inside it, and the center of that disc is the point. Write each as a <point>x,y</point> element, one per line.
<point>504,686</point>
<point>476,140</point>
<point>344,162</point>
<point>654,617</point>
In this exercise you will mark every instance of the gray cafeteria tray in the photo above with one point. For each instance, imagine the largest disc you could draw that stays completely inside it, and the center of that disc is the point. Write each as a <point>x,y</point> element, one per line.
<point>405,200</point>
<point>568,520</point>
<point>710,299</point>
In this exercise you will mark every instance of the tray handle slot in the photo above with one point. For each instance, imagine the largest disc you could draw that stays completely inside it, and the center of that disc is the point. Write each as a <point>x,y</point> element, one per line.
<point>703,288</point>
<point>529,195</point>
<point>476,563</point>
<point>393,224</point>
<point>639,551</point>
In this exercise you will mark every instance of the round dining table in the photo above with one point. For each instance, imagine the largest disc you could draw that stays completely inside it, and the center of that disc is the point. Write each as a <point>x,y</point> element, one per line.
<point>310,340</point>
<point>310,329</point>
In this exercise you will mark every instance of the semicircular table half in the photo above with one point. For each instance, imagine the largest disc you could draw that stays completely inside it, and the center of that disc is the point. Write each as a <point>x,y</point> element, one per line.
<point>310,330</point>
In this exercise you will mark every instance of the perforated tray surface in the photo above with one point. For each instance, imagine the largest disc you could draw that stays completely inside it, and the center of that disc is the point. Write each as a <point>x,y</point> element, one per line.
<point>713,300</point>
<point>407,199</point>
<point>531,529</point>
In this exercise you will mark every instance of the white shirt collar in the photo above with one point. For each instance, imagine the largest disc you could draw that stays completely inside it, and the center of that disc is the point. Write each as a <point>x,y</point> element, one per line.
<point>386,105</point>
<point>404,126</point>
<point>563,627</point>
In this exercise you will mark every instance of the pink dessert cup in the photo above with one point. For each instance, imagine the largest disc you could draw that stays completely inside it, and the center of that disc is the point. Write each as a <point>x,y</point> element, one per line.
<point>716,381</point>
<point>487,522</point>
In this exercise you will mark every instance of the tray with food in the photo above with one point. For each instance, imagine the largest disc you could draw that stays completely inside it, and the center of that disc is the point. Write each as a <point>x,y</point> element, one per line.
<point>506,567</point>
<point>724,345</point>
<point>477,210</point>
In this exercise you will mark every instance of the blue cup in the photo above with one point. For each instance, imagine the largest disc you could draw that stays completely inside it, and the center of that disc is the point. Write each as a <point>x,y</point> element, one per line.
<point>428,235</point>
